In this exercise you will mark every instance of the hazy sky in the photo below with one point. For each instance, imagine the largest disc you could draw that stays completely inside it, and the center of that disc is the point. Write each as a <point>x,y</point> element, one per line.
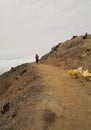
<point>34,26</point>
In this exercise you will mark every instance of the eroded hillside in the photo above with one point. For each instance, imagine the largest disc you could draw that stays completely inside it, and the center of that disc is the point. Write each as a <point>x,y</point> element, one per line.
<point>44,96</point>
<point>18,87</point>
<point>71,54</point>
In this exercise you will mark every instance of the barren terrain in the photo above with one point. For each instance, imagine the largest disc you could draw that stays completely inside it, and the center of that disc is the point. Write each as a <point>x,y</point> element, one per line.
<point>44,96</point>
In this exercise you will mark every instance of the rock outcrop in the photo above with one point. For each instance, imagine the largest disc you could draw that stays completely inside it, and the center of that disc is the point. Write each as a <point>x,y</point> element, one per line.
<point>71,54</point>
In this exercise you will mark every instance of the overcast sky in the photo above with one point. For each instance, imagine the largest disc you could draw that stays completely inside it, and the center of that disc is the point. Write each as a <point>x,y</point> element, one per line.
<point>34,26</point>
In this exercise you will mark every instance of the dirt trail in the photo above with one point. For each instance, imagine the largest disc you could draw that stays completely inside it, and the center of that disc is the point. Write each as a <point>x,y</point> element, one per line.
<point>68,98</point>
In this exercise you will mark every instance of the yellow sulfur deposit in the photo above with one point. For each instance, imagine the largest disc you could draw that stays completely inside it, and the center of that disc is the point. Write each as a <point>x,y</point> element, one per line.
<point>79,72</point>
<point>75,71</point>
<point>80,69</point>
<point>86,73</point>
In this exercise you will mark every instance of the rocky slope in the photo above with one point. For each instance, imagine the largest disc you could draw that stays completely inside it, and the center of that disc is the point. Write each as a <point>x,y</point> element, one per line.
<point>18,87</point>
<point>43,96</point>
<point>71,54</point>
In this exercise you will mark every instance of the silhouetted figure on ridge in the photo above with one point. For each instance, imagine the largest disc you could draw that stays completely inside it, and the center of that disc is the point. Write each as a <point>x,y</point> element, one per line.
<point>85,36</point>
<point>37,58</point>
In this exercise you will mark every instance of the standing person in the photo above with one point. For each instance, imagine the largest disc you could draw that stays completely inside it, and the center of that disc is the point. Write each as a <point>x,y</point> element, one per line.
<point>37,58</point>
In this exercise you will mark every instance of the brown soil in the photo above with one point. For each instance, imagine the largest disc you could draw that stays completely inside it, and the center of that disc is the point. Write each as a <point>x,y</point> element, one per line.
<point>69,99</point>
<point>49,100</point>
<point>44,96</point>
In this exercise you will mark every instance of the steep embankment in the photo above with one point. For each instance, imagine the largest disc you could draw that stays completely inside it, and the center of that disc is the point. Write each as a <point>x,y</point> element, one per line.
<point>71,54</point>
<point>19,94</point>
<point>46,98</point>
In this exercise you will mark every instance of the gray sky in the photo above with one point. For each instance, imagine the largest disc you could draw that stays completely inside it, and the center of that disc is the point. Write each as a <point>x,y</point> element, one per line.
<point>34,26</point>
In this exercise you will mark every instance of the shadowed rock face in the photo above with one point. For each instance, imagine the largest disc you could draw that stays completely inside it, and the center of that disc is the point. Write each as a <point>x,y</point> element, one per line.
<point>71,54</point>
<point>5,108</point>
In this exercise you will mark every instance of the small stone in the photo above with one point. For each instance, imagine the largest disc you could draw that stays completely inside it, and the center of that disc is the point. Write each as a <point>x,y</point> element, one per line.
<point>13,114</point>
<point>5,108</point>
